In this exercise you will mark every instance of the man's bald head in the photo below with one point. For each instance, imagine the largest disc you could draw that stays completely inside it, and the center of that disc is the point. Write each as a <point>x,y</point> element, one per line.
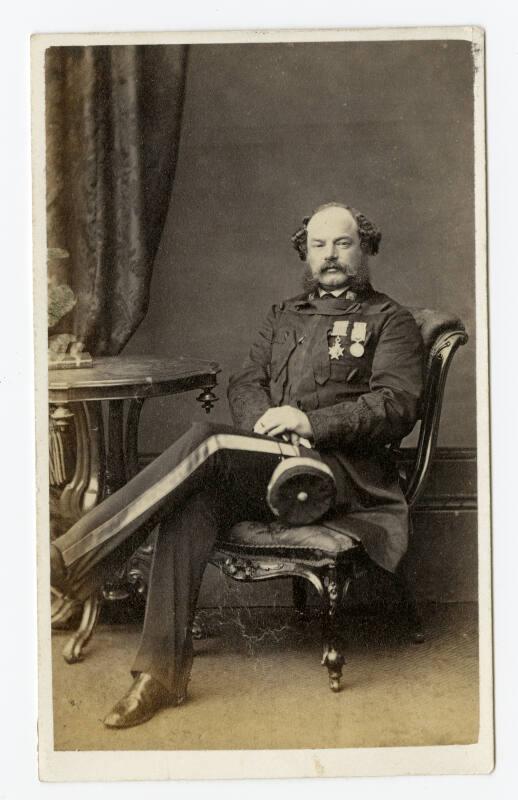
<point>333,219</point>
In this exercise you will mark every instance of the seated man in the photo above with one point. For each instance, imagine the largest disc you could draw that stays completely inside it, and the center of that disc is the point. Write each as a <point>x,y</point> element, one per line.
<point>337,369</point>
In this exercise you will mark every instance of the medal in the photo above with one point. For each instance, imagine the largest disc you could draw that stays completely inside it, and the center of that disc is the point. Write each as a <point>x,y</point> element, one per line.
<point>357,350</point>
<point>339,329</point>
<point>336,350</point>
<point>358,334</point>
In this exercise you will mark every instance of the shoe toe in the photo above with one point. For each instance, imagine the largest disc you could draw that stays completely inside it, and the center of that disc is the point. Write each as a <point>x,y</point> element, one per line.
<point>128,711</point>
<point>113,720</point>
<point>127,717</point>
<point>141,703</point>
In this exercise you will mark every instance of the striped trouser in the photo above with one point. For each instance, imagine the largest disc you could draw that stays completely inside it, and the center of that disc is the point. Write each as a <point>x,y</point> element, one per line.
<point>209,479</point>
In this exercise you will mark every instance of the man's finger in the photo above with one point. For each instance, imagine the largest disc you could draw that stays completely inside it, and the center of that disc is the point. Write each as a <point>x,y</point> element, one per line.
<point>263,424</point>
<point>278,429</point>
<point>268,428</point>
<point>269,418</point>
<point>269,424</point>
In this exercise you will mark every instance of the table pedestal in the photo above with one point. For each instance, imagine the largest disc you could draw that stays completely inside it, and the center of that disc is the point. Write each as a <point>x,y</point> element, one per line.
<point>105,442</point>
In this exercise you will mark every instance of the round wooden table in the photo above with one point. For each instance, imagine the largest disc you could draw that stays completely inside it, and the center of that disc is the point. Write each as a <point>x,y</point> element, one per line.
<point>106,459</point>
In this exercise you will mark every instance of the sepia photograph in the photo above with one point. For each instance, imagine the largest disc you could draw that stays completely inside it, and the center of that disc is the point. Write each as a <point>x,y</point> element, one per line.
<point>262,404</point>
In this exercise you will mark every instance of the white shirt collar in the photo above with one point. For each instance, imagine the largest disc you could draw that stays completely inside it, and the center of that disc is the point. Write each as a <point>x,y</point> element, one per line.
<point>334,292</point>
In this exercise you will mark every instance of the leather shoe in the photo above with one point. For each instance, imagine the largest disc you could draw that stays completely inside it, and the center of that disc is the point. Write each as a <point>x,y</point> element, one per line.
<point>144,698</point>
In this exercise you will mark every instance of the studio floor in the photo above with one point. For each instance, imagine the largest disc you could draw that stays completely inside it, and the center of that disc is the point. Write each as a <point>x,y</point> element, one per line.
<point>257,683</point>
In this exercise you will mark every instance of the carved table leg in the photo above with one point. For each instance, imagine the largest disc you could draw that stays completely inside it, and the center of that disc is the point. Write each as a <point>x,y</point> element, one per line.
<point>73,650</point>
<point>115,462</point>
<point>131,438</point>
<point>63,609</point>
<point>59,425</point>
<point>334,589</point>
<point>86,488</point>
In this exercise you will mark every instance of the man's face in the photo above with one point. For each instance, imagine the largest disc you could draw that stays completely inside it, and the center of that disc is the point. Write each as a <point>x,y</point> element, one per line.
<point>334,254</point>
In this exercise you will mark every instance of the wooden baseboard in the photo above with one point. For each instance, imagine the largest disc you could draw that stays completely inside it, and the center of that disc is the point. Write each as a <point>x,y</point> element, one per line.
<point>452,483</point>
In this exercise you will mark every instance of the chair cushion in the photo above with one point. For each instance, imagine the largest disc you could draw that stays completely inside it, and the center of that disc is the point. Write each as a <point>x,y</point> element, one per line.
<point>272,537</point>
<point>432,323</point>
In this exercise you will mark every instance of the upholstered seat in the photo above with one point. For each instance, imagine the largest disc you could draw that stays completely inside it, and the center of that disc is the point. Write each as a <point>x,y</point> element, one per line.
<point>307,542</point>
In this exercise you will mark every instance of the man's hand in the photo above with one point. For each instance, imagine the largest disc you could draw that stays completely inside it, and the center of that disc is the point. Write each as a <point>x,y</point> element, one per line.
<point>287,421</point>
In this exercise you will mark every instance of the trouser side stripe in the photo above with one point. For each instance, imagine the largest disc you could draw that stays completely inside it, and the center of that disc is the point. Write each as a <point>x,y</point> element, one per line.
<point>155,494</point>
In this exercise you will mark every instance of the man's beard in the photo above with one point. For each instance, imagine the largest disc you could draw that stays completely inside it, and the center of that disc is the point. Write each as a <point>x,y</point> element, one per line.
<point>355,283</point>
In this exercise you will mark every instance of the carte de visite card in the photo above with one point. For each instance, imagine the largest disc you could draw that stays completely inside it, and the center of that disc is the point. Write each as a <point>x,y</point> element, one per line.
<point>260,283</point>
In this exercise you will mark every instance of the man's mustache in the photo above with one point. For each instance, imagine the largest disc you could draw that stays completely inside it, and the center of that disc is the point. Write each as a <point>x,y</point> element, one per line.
<point>355,282</point>
<point>333,265</point>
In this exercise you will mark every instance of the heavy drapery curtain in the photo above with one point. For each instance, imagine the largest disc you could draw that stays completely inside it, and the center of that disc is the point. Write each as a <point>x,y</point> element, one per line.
<point>113,118</point>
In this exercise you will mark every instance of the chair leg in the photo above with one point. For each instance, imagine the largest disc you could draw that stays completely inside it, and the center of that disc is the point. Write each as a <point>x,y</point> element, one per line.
<point>300,597</point>
<point>335,588</point>
<point>412,618</point>
<point>73,650</point>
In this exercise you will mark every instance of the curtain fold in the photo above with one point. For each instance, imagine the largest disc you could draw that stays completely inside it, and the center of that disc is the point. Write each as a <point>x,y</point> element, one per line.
<point>113,119</point>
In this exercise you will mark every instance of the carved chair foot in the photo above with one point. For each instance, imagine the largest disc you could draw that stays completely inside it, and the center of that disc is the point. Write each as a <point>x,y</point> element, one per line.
<point>334,662</point>
<point>335,584</point>
<point>73,650</point>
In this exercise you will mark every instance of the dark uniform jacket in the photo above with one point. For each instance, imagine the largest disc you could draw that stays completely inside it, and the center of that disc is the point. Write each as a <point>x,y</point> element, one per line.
<point>360,386</point>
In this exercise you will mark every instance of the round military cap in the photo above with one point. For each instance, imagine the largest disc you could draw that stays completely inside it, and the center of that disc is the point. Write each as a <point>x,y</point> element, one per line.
<point>301,490</point>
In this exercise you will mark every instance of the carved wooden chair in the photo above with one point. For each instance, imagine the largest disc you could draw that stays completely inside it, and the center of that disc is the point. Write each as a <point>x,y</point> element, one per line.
<point>329,560</point>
